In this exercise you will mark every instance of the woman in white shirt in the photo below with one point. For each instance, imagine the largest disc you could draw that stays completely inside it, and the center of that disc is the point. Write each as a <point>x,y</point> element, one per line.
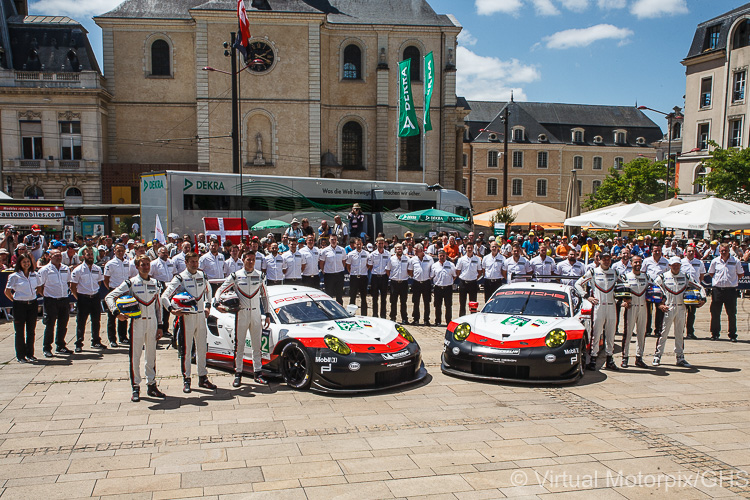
<point>22,288</point>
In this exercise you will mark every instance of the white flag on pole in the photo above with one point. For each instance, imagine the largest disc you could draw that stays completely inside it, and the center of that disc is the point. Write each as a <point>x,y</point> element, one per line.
<point>159,232</point>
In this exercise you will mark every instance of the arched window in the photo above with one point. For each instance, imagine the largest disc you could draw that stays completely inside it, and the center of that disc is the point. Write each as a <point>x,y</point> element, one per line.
<point>742,35</point>
<point>411,153</point>
<point>33,193</point>
<point>676,131</point>
<point>412,52</point>
<point>160,60</point>
<point>73,195</point>
<point>351,145</point>
<point>352,62</point>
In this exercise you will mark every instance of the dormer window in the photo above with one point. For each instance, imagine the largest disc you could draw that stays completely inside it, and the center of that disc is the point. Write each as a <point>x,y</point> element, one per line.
<point>518,135</point>
<point>620,137</point>
<point>577,135</point>
<point>542,138</point>
<point>598,139</point>
<point>640,141</point>
<point>712,37</point>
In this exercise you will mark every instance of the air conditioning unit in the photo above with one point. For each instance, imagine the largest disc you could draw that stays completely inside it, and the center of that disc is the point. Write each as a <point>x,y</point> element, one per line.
<point>542,138</point>
<point>598,139</point>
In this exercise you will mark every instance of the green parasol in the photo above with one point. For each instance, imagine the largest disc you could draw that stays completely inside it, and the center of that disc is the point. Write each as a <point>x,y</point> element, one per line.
<point>269,224</point>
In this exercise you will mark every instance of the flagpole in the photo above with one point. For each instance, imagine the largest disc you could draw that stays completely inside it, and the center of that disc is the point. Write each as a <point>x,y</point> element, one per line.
<point>398,148</point>
<point>239,144</point>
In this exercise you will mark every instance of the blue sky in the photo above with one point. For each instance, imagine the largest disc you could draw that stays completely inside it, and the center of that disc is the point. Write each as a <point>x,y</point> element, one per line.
<point>574,51</point>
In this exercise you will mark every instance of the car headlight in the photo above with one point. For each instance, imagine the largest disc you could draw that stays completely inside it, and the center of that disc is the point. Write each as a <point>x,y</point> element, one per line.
<point>462,331</point>
<point>556,338</point>
<point>337,345</point>
<point>404,333</point>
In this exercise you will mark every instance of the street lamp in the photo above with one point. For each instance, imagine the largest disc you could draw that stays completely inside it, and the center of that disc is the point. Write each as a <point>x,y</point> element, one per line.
<point>675,114</point>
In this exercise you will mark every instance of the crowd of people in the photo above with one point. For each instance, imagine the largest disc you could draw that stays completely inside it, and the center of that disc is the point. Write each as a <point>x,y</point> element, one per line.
<point>392,271</point>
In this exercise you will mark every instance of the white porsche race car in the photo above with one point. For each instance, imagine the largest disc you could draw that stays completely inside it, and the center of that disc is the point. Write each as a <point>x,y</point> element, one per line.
<point>315,342</point>
<point>527,332</point>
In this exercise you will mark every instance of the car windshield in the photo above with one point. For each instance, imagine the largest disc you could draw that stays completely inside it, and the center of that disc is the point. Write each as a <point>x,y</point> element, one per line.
<point>530,302</point>
<point>309,311</point>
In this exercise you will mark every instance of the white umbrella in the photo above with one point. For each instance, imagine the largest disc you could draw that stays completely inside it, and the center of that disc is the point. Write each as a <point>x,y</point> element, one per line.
<point>526,213</point>
<point>708,214</point>
<point>609,218</point>
<point>671,202</point>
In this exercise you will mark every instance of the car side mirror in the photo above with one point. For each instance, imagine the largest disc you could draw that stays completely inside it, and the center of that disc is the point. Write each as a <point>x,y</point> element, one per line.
<point>352,309</point>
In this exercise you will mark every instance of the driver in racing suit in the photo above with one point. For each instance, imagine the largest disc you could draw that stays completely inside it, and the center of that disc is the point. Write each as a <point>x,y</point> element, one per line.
<point>249,285</point>
<point>146,329</point>
<point>635,316</point>
<point>602,281</point>
<point>674,283</point>
<point>192,326</point>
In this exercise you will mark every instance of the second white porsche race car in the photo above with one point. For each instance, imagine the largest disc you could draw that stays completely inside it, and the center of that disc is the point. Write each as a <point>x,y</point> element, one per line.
<point>527,332</point>
<point>315,342</point>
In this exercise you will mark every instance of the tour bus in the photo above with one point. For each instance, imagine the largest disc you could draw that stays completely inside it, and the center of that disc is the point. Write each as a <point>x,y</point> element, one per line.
<point>183,199</point>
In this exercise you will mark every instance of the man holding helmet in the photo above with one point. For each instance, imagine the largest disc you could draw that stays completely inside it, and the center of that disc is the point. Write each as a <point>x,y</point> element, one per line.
<point>145,311</point>
<point>250,288</point>
<point>192,326</point>
<point>674,283</point>
<point>635,315</point>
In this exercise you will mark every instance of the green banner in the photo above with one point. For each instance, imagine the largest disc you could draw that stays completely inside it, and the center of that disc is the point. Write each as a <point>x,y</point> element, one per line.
<point>407,117</point>
<point>429,81</point>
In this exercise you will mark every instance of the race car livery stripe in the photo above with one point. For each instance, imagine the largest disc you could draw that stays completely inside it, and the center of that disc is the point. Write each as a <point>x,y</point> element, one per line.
<point>394,345</point>
<point>230,359</point>
<point>481,340</point>
<point>452,326</point>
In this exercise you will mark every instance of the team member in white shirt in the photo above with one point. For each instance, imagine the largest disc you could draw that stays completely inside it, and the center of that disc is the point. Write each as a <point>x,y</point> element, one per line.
<point>24,284</point>
<point>212,263</point>
<point>517,264</point>
<point>311,255</point>
<point>332,263</point>
<point>623,267</point>
<point>163,270</point>
<point>725,272</point>
<point>70,257</point>
<point>443,275</point>
<point>84,285</point>
<point>54,278</point>
<point>571,267</point>
<point>116,271</point>
<point>543,264</point>
<point>469,267</point>
<point>234,262</point>
<point>420,269</point>
<point>356,266</point>
<point>695,269</point>
<point>494,271</point>
<point>653,266</point>
<point>179,259</point>
<point>294,264</point>
<point>398,267</point>
<point>273,266</point>
<point>377,263</point>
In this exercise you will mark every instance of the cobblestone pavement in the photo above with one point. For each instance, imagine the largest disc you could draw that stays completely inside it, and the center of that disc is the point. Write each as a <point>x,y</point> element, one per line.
<point>69,430</point>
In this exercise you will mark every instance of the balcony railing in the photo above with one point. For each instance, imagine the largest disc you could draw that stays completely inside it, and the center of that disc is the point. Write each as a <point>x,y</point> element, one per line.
<point>48,79</point>
<point>51,166</point>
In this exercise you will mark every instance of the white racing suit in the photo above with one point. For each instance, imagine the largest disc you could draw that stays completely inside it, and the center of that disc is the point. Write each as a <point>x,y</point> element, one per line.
<point>674,287</point>
<point>192,326</point>
<point>636,314</point>
<point>146,293</point>
<point>602,285</point>
<point>251,290</point>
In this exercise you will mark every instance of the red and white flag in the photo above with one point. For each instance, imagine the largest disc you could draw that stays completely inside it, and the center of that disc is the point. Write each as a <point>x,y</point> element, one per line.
<point>225,228</point>
<point>243,35</point>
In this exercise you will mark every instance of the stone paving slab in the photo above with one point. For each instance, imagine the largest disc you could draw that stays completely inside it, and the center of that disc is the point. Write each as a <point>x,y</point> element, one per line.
<point>68,430</point>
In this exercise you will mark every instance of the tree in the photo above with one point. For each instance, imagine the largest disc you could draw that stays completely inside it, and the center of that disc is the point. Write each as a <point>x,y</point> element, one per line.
<point>505,215</point>
<point>639,180</point>
<point>729,173</point>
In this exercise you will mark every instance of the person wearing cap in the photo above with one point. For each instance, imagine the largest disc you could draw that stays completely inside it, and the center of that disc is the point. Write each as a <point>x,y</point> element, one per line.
<point>54,278</point>
<point>598,286</point>
<point>173,244</point>
<point>653,266</point>
<point>294,264</point>
<point>36,242</point>
<point>589,249</point>
<point>84,285</point>
<point>377,263</point>
<point>4,259</point>
<point>725,272</point>
<point>635,311</point>
<point>495,270</point>
<point>637,248</point>
<point>712,252</point>
<point>70,256</point>
<point>696,270</point>
<point>356,221</point>
<point>294,232</point>
<point>356,266</point>
<point>674,284</point>
<point>311,257</point>
<point>9,238</point>
<point>332,263</point>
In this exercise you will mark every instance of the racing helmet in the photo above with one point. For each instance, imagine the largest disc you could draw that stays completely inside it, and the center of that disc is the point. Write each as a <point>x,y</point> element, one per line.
<point>622,292</point>
<point>230,301</point>
<point>185,302</point>
<point>693,297</point>
<point>128,306</point>
<point>654,294</point>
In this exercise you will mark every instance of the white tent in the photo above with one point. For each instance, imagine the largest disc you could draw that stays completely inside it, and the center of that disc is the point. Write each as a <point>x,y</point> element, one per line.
<point>671,202</point>
<point>708,214</point>
<point>608,218</point>
<point>526,213</point>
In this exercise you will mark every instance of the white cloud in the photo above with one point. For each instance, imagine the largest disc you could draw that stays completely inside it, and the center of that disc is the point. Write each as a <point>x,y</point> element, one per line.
<point>611,4</point>
<point>657,8</point>
<point>545,8</point>
<point>575,5</point>
<point>488,7</point>
<point>465,38</point>
<point>75,9</point>
<point>481,77</point>
<point>586,36</point>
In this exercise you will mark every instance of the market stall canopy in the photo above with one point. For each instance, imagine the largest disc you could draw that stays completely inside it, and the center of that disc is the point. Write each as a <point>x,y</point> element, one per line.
<point>708,214</point>
<point>526,213</point>
<point>269,224</point>
<point>25,213</point>
<point>671,202</point>
<point>432,215</point>
<point>610,218</point>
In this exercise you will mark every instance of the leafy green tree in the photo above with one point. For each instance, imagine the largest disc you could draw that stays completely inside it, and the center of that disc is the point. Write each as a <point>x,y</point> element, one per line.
<point>505,215</point>
<point>639,180</point>
<point>729,175</point>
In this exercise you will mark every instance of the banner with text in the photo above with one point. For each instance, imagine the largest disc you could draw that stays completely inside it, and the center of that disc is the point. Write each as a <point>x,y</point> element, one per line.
<point>429,81</point>
<point>407,118</point>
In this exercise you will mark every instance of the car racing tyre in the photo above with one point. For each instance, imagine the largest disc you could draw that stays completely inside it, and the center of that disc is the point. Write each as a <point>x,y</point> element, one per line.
<point>296,366</point>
